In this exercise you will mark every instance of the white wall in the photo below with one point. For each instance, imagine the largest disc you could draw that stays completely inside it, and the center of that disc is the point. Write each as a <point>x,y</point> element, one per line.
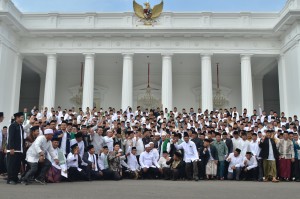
<point>30,89</point>
<point>271,91</point>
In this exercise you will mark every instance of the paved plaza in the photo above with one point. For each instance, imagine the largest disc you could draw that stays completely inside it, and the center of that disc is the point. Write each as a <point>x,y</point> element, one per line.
<point>146,189</point>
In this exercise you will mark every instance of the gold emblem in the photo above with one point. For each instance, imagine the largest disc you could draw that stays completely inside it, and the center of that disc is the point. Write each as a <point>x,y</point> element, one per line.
<point>148,14</point>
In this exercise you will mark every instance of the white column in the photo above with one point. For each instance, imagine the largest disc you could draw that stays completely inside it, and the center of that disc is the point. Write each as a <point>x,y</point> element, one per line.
<point>42,89</point>
<point>127,82</point>
<point>246,78</point>
<point>3,4</point>
<point>17,83</point>
<point>88,82</point>
<point>206,79</point>
<point>50,82</point>
<point>167,84</point>
<point>282,85</point>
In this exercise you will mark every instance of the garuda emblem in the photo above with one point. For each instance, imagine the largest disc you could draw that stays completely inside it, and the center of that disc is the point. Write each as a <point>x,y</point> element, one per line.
<point>146,13</point>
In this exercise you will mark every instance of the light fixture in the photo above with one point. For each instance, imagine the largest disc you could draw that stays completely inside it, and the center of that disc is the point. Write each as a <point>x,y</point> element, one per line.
<point>77,98</point>
<point>148,100</point>
<point>219,99</point>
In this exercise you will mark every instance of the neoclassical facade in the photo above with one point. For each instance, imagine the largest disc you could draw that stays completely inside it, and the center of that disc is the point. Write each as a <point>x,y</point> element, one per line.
<point>41,55</point>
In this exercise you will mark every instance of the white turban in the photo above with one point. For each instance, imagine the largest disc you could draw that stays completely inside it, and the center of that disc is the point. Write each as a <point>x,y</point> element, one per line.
<point>48,131</point>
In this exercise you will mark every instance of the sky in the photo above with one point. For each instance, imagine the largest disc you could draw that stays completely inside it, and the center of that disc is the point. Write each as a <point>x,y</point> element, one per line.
<point>170,5</point>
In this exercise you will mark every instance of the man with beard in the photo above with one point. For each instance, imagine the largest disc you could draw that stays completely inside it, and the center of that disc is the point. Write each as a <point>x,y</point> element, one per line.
<point>36,157</point>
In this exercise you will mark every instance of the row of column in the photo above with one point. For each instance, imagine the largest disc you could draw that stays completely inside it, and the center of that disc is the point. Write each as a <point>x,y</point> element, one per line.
<point>246,82</point>
<point>167,88</point>
<point>88,85</point>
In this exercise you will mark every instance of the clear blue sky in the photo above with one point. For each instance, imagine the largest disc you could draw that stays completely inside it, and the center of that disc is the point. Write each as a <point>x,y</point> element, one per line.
<point>170,5</point>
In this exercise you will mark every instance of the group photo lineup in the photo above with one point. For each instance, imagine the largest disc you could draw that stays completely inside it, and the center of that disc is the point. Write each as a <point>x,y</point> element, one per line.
<point>147,96</point>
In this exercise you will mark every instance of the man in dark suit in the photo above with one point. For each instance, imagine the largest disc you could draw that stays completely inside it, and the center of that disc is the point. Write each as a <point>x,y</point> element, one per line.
<point>229,145</point>
<point>269,156</point>
<point>197,140</point>
<point>211,159</point>
<point>228,142</point>
<point>92,168</point>
<point>15,148</point>
<point>65,137</point>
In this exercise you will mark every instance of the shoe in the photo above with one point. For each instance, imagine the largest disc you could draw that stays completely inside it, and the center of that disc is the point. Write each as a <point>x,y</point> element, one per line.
<point>24,182</point>
<point>12,182</point>
<point>42,182</point>
<point>196,179</point>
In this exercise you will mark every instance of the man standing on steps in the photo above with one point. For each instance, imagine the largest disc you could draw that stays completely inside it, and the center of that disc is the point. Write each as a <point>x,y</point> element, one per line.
<point>15,149</point>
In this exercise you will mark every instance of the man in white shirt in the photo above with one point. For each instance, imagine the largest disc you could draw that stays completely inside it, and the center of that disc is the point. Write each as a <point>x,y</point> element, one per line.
<point>235,161</point>
<point>154,151</point>
<point>75,173</point>
<point>249,171</point>
<point>79,141</point>
<point>149,164</point>
<point>98,140</point>
<point>57,170</point>
<point>163,163</point>
<point>109,141</point>
<point>36,154</point>
<point>236,140</point>
<point>255,150</point>
<point>245,144</point>
<point>191,157</point>
<point>132,163</point>
<point>130,141</point>
<point>106,173</point>
<point>138,140</point>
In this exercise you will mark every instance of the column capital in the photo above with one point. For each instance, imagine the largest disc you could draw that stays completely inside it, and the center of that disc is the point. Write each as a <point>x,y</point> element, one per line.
<point>166,54</point>
<point>51,55</point>
<point>280,56</point>
<point>206,55</point>
<point>127,55</point>
<point>89,55</point>
<point>246,56</point>
<point>21,56</point>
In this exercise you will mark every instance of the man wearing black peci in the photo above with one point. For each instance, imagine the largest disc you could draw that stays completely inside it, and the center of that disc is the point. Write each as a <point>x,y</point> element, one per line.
<point>15,146</point>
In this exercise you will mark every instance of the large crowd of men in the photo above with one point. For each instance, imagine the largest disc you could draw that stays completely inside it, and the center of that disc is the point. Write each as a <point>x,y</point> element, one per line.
<point>43,146</point>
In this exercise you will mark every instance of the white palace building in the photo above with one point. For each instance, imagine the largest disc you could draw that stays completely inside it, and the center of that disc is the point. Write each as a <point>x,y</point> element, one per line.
<point>258,54</point>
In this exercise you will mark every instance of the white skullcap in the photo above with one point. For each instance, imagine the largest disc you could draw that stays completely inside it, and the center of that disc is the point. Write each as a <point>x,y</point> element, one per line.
<point>157,134</point>
<point>163,134</point>
<point>151,143</point>
<point>147,146</point>
<point>48,131</point>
